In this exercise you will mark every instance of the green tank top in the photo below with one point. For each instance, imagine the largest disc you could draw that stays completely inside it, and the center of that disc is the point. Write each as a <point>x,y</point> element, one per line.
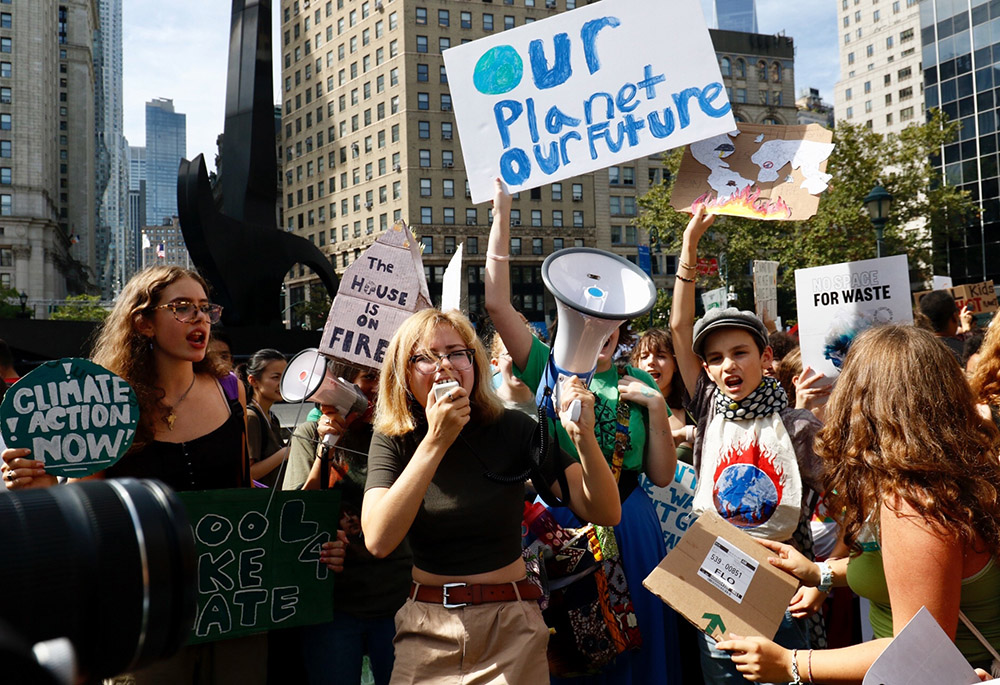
<point>980,601</point>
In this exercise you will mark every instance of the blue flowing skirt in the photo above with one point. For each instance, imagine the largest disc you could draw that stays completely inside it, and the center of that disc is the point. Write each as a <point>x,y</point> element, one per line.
<point>640,540</point>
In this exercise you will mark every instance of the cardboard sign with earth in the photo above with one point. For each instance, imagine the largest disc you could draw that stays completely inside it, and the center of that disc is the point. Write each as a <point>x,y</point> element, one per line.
<point>76,416</point>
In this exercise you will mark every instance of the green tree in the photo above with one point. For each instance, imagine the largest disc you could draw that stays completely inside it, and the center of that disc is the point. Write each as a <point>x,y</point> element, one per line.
<point>81,308</point>
<point>841,230</point>
<point>10,304</point>
<point>316,309</point>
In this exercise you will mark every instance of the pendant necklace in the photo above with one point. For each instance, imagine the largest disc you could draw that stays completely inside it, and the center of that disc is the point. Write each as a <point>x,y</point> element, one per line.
<point>172,410</point>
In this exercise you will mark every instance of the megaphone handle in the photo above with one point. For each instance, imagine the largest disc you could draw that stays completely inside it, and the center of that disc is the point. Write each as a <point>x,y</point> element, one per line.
<point>573,413</point>
<point>330,439</point>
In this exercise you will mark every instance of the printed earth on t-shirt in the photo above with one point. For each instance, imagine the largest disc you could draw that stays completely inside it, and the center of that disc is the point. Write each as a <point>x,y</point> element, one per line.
<point>747,487</point>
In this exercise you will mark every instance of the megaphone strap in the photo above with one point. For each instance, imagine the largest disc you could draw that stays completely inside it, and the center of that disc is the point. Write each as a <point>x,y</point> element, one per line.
<point>623,438</point>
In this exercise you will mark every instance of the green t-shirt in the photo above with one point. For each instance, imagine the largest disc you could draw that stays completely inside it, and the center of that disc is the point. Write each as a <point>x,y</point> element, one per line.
<point>605,388</point>
<point>978,600</point>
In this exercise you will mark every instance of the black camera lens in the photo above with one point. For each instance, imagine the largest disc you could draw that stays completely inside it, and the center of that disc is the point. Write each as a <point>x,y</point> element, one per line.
<point>108,564</point>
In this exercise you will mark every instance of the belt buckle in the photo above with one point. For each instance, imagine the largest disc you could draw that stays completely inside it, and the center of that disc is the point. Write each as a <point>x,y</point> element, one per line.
<point>444,596</point>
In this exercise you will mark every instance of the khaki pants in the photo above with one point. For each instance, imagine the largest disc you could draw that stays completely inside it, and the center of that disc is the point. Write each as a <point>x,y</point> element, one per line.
<point>494,644</point>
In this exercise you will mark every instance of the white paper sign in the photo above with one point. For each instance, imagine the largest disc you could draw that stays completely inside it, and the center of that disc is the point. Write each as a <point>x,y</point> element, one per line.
<point>922,654</point>
<point>728,569</point>
<point>942,282</point>
<point>673,503</point>
<point>711,299</point>
<point>584,90</point>
<point>765,289</point>
<point>836,302</point>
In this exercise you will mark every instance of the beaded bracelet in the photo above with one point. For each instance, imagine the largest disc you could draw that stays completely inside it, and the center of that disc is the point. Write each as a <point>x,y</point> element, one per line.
<point>796,680</point>
<point>810,666</point>
<point>687,266</point>
<point>681,278</point>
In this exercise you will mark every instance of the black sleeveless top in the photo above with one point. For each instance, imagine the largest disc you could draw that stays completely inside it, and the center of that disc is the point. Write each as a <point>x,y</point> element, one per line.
<point>210,462</point>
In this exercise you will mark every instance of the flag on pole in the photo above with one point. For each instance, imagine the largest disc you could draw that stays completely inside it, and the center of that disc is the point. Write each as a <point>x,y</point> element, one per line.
<point>161,252</point>
<point>145,242</point>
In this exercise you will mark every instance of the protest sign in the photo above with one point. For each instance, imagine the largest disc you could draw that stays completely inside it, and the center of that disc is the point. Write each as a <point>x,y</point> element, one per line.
<point>377,293</point>
<point>980,298</point>
<point>673,503</point>
<point>258,559</point>
<point>711,299</point>
<point>576,92</point>
<point>765,289</point>
<point>941,282</point>
<point>921,654</point>
<point>719,579</point>
<point>708,266</point>
<point>836,302</point>
<point>760,171</point>
<point>76,416</point>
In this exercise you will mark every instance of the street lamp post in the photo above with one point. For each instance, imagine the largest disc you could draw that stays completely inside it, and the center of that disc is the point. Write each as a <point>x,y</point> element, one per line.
<point>23,297</point>
<point>878,202</point>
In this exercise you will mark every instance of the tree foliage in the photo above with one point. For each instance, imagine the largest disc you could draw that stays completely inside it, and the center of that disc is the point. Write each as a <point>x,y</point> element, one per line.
<point>841,230</point>
<point>81,308</point>
<point>10,305</point>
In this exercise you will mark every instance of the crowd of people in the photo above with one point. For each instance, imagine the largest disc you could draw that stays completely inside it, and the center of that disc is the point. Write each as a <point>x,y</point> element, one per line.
<point>888,480</point>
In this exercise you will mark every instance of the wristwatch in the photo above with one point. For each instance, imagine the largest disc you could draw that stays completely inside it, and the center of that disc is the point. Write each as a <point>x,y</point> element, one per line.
<point>825,577</point>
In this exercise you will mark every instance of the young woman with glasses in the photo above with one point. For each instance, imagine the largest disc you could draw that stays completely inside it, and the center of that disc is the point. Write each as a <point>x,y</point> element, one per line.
<point>446,470</point>
<point>191,431</point>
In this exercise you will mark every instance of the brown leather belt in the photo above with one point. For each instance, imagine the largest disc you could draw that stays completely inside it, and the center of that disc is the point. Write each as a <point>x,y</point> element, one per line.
<point>456,595</point>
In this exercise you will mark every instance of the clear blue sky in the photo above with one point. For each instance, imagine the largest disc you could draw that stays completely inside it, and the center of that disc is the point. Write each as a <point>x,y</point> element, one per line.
<point>177,50</point>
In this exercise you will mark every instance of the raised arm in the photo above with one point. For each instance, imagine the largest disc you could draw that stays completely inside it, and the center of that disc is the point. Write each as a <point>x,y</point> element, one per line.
<point>682,307</point>
<point>516,337</point>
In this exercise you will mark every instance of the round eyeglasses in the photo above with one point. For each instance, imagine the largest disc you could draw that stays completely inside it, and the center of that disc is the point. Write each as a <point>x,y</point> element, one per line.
<point>187,312</point>
<point>428,363</point>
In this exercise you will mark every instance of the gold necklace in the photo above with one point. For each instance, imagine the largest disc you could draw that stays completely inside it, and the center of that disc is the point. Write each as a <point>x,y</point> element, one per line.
<point>172,410</point>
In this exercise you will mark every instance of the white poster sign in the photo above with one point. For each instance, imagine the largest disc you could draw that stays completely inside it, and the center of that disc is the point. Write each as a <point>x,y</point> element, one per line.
<point>711,299</point>
<point>673,503</point>
<point>765,289</point>
<point>584,90</point>
<point>941,283</point>
<point>836,302</point>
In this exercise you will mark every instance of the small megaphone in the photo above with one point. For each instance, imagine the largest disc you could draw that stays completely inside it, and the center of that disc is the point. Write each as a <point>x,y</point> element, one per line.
<point>307,379</point>
<point>595,292</point>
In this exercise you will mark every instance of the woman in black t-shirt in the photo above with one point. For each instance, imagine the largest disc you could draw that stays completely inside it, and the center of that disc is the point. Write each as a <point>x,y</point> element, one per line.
<point>445,471</point>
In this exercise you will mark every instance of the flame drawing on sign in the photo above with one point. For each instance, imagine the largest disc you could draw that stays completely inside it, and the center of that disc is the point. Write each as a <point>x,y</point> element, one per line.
<point>747,203</point>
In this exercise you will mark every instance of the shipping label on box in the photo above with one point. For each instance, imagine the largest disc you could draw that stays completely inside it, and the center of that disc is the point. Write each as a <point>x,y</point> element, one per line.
<point>719,579</point>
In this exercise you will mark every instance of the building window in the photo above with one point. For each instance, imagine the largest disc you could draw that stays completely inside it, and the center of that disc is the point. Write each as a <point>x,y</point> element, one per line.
<point>421,43</point>
<point>6,44</point>
<point>424,129</point>
<point>536,217</point>
<point>557,191</point>
<point>557,217</point>
<point>421,16</point>
<point>515,244</point>
<point>6,207</point>
<point>727,67</point>
<point>423,71</point>
<point>536,246</point>
<point>423,101</point>
<point>425,158</point>
<point>614,175</point>
<point>449,217</point>
<point>577,218</point>
<point>427,243</point>
<point>6,149</point>
<point>5,122</point>
<point>448,187</point>
<point>471,216</point>
<point>425,187</point>
<point>577,192</point>
<point>466,20</point>
<point>487,22</point>
<point>5,176</point>
<point>426,215</point>
<point>443,18</point>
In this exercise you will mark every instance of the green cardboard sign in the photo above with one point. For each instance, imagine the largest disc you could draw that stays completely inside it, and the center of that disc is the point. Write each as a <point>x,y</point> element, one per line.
<point>76,416</point>
<point>258,559</point>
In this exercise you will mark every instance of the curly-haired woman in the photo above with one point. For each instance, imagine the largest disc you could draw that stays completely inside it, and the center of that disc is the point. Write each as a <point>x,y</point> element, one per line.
<point>914,468</point>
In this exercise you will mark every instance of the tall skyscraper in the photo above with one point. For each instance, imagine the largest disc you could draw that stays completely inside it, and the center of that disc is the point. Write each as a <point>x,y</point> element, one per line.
<point>166,146</point>
<point>880,74</point>
<point>136,158</point>
<point>959,57</point>
<point>112,174</point>
<point>47,148</point>
<point>736,15</point>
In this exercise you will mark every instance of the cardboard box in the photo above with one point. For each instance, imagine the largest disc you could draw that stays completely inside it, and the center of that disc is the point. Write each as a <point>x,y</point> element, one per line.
<point>719,579</point>
<point>980,297</point>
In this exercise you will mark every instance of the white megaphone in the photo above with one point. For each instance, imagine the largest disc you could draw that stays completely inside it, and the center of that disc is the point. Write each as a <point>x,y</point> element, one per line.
<point>306,379</point>
<point>595,292</point>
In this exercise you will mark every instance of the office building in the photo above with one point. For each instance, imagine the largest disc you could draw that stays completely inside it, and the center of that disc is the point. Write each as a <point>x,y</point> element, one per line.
<point>166,146</point>
<point>813,110</point>
<point>136,161</point>
<point>880,78</point>
<point>736,15</point>
<point>960,53</point>
<point>48,245</point>
<point>164,245</point>
<point>759,74</point>
<point>369,137</point>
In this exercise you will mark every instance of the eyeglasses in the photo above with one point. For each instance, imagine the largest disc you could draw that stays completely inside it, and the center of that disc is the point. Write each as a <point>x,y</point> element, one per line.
<point>187,312</point>
<point>460,360</point>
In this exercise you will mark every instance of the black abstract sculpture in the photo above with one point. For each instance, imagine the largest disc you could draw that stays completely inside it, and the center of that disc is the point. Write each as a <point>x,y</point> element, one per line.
<point>236,243</point>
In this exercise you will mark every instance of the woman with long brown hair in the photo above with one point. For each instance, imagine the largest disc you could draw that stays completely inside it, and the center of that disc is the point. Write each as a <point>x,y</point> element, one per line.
<point>914,469</point>
<point>191,431</point>
<point>446,470</point>
<point>986,378</point>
